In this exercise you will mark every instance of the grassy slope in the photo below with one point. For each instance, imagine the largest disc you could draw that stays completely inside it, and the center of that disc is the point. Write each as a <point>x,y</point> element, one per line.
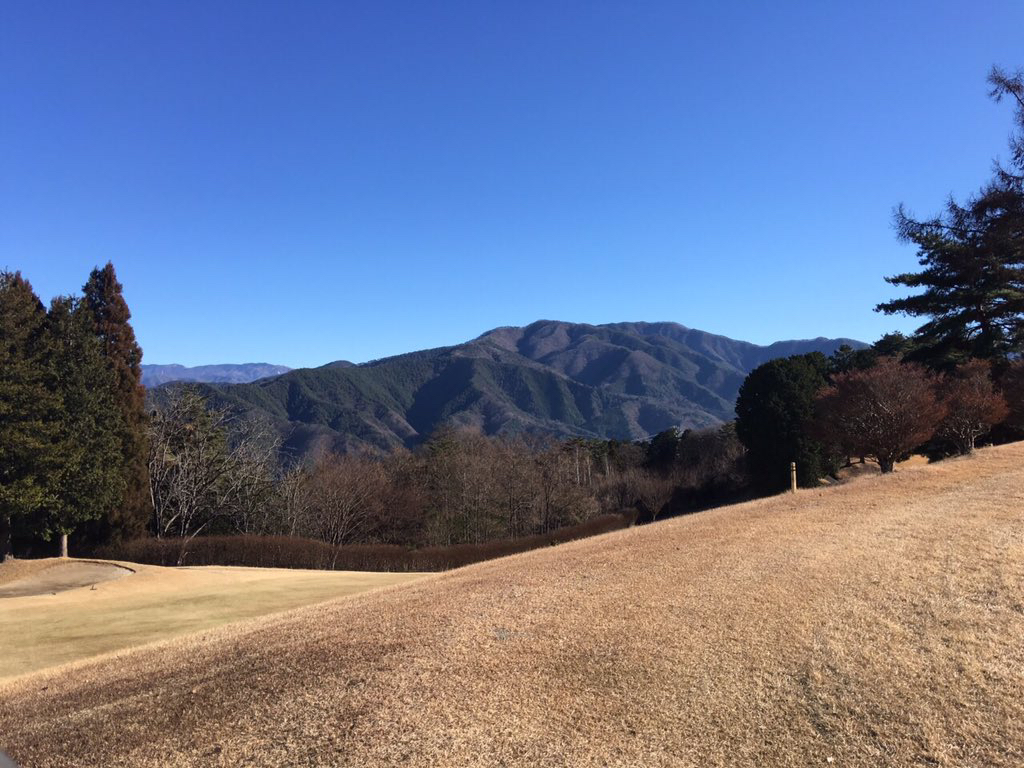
<point>876,623</point>
<point>154,604</point>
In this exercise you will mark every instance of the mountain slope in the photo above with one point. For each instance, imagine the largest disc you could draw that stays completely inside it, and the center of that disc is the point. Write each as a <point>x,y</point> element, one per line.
<point>877,623</point>
<point>624,381</point>
<point>227,373</point>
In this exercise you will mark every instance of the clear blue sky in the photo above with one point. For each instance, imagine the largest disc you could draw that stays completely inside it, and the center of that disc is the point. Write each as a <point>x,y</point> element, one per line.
<point>298,182</point>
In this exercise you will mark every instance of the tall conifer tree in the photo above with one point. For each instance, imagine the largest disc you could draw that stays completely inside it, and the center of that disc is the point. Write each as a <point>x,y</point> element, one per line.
<point>27,406</point>
<point>88,479</point>
<point>110,315</point>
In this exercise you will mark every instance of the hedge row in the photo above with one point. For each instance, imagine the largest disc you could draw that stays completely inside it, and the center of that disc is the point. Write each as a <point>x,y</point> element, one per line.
<point>293,552</point>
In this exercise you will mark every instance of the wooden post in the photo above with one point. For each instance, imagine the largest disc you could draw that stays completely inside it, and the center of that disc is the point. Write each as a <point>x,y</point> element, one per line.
<point>792,476</point>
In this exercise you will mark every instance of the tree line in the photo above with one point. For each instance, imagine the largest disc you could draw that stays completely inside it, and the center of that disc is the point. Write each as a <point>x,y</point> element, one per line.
<point>824,414</point>
<point>215,473</point>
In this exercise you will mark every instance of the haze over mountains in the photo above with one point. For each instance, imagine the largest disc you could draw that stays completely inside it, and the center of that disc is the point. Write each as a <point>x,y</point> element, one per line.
<point>227,373</point>
<point>621,380</point>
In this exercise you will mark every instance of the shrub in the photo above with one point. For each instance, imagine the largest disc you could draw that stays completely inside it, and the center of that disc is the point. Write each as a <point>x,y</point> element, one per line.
<point>294,552</point>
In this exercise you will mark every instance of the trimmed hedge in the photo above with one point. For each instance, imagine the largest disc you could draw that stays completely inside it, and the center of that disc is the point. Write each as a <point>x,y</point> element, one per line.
<point>293,552</point>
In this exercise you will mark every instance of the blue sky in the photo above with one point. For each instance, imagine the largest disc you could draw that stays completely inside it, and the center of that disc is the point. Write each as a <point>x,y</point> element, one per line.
<point>298,182</point>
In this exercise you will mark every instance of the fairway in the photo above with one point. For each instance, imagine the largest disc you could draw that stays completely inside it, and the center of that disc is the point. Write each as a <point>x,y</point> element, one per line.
<point>151,604</point>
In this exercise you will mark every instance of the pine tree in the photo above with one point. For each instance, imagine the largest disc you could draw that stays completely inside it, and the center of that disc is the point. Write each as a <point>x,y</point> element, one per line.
<point>27,407</point>
<point>88,479</point>
<point>110,315</point>
<point>973,258</point>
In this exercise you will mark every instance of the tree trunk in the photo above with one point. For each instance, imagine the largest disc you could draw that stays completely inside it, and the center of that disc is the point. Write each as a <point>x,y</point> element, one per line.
<point>886,465</point>
<point>63,545</point>
<point>6,553</point>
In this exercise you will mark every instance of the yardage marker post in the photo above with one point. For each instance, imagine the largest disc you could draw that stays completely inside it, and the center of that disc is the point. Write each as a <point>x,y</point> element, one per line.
<point>792,477</point>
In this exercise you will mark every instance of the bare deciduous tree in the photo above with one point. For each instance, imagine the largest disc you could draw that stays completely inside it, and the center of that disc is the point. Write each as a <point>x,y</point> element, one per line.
<point>251,498</point>
<point>294,497</point>
<point>343,492</point>
<point>200,471</point>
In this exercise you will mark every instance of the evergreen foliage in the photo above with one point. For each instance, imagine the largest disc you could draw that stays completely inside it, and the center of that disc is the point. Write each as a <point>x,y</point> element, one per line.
<point>773,410</point>
<point>27,406</point>
<point>87,480</point>
<point>1012,385</point>
<point>972,284</point>
<point>105,304</point>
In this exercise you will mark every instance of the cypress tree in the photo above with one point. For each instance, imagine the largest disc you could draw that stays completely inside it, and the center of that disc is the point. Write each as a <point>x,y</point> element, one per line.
<point>27,406</point>
<point>105,305</point>
<point>88,479</point>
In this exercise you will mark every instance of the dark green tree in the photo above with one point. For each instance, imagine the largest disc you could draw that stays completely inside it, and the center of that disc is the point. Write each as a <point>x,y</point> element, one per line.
<point>893,344</point>
<point>972,286</point>
<point>88,479</point>
<point>105,304</point>
<point>663,449</point>
<point>27,406</point>
<point>773,411</point>
<point>846,358</point>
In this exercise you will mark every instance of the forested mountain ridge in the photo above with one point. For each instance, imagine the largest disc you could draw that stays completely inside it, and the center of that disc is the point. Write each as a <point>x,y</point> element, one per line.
<point>622,380</point>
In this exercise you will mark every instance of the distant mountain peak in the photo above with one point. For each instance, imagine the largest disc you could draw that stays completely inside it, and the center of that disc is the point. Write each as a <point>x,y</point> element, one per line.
<point>618,380</point>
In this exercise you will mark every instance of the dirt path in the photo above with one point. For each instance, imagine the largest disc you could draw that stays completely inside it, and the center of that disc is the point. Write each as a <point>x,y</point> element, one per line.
<point>62,577</point>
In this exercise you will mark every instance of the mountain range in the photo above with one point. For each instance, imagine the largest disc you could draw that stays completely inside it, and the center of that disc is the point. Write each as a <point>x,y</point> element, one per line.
<point>622,380</point>
<point>155,375</point>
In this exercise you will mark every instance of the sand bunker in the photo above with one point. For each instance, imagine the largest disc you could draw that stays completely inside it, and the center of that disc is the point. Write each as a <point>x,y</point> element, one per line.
<point>63,577</point>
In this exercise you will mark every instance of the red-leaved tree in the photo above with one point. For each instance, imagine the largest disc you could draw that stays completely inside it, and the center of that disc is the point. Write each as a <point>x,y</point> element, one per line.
<point>884,412</point>
<point>972,405</point>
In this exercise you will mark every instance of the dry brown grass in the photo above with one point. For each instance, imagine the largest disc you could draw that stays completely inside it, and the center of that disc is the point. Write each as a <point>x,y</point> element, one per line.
<point>880,622</point>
